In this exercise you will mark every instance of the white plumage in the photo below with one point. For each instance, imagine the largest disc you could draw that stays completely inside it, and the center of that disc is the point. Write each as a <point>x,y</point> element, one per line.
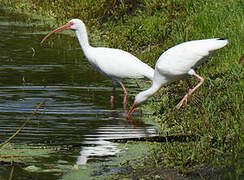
<point>113,63</point>
<point>178,62</point>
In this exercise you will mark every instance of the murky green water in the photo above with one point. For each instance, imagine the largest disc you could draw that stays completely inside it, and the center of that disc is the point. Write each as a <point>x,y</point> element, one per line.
<point>77,118</point>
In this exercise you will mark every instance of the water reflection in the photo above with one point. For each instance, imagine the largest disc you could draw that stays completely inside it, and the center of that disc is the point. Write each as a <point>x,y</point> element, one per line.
<point>77,98</point>
<point>101,146</point>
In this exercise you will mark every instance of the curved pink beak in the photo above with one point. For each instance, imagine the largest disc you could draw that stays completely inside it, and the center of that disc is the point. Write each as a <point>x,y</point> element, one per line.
<point>133,108</point>
<point>64,27</point>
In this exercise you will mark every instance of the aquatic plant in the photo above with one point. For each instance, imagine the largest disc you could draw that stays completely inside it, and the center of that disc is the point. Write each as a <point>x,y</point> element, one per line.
<point>148,28</point>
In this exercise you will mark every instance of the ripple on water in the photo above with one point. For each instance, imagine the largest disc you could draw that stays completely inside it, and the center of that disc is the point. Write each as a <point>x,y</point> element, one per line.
<point>77,110</point>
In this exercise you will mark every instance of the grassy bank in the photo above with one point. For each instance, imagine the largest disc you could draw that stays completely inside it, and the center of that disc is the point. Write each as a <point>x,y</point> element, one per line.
<point>146,29</point>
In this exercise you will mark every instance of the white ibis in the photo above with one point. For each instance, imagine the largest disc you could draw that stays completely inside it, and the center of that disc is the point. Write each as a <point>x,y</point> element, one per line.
<point>178,62</point>
<point>113,63</point>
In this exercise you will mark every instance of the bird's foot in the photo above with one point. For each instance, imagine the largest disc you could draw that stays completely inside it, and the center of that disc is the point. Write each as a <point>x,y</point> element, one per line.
<point>184,100</point>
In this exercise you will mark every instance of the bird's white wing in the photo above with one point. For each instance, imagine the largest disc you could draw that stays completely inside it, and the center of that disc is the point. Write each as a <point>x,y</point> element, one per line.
<point>179,59</point>
<point>119,64</point>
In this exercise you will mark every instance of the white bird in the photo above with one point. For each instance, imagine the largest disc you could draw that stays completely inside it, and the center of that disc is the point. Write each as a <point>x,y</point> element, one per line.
<point>178,62</point>
<point>113,63</point>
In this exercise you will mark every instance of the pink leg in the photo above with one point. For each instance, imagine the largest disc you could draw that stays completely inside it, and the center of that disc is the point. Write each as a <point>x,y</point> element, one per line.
<point>125,95</point>
<point>112,97</point>
<point>184,100</point>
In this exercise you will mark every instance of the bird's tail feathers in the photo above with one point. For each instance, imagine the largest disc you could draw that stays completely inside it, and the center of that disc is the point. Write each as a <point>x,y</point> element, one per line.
<point>221,43</point>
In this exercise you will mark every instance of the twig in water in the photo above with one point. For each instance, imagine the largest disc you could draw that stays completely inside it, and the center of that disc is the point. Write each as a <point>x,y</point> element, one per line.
<point>34,52</point>
<point>11,174</point>
<point>11,153</point>
<point>27,120</point>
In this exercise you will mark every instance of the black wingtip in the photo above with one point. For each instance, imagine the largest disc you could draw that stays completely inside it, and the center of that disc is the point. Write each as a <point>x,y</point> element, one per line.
<point>221,39</point>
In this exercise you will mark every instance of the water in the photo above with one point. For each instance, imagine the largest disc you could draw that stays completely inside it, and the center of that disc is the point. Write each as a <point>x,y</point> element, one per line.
<point>77,116</point>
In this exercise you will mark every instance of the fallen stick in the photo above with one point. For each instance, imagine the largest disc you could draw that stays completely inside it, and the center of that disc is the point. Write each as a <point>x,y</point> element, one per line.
<point>27,120</point>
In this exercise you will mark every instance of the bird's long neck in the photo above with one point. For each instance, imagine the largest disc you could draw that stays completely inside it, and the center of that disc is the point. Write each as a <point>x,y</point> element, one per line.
<point>82,36</point>
<point>158,82</point>
<point>151,91</point>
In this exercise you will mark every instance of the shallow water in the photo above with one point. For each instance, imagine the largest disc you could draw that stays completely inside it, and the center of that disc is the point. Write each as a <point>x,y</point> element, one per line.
<point>77,116</point>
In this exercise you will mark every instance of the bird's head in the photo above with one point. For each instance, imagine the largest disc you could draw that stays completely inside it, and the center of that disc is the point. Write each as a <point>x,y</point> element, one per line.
<point>73,24</point>
<point>139,99</point>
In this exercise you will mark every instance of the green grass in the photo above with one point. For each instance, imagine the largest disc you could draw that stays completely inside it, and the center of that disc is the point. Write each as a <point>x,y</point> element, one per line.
<point>148,28</point>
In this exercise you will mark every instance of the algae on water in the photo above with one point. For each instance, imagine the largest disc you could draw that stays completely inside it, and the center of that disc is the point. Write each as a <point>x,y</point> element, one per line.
<point>23,153</point>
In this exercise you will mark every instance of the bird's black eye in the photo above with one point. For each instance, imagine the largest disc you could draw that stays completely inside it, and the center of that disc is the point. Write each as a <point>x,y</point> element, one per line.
<point>71,23</point>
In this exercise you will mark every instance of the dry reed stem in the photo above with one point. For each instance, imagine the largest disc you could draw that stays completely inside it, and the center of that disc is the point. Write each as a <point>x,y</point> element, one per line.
<point>11,173</point>
<point>27,120</point>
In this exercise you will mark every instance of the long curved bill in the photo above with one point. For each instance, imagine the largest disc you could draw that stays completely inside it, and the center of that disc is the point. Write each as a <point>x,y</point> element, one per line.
<point>64,27</point>
<point>133,108</point>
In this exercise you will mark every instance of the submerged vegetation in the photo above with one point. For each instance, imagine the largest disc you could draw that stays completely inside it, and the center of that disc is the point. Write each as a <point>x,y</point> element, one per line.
<point>146,29</point>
